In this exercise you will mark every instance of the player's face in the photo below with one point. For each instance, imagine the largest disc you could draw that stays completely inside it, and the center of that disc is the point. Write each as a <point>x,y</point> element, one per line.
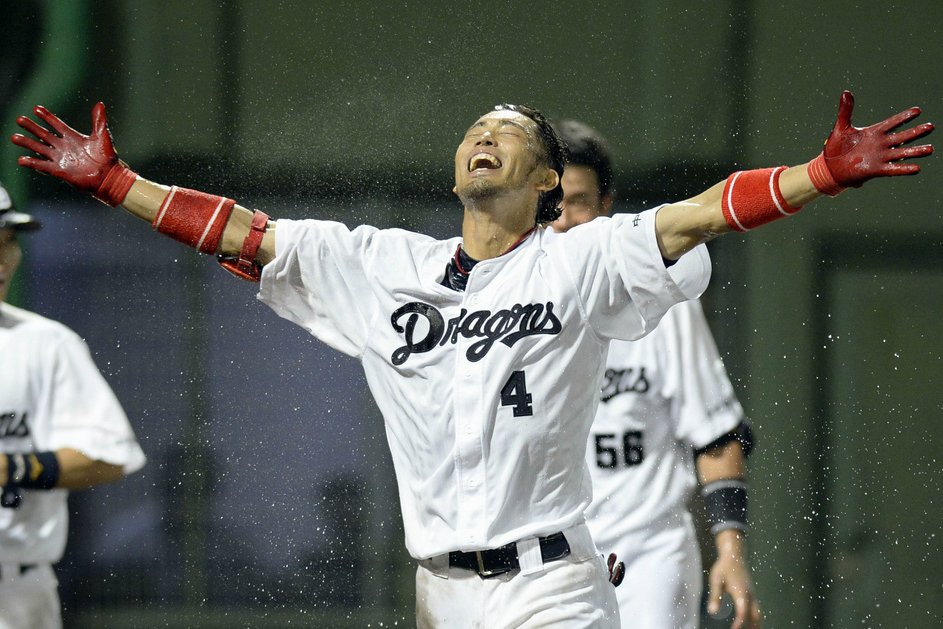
<point>581,200</point>
<point>498,153</point>
<point>10,256</point>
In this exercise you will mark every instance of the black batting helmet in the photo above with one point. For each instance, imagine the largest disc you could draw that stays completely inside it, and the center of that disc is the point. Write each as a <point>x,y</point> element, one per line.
<point>11,219</point>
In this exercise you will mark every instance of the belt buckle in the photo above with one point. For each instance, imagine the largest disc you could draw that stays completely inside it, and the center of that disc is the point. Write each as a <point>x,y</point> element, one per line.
<point>482,572</point>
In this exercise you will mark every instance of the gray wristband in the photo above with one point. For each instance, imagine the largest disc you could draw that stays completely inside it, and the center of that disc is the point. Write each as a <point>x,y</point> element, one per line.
<point>726,503</point>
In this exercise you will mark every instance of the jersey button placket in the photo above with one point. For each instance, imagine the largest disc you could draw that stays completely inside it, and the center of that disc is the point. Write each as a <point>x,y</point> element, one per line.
<point>468,402</point>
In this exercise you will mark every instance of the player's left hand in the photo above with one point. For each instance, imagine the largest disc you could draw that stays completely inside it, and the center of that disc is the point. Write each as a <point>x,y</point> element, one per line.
<point>616,570</point>
<point>854,155</point>
<point>730,574</point>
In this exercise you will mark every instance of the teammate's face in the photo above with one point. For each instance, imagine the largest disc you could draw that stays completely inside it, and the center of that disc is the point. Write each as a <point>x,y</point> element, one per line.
<point>581,200</point>
<point>498,154</point>
<point>10,256</point>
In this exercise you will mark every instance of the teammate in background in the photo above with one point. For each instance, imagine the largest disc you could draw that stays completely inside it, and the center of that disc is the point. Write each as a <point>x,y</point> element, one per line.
<point>61,429</point>
<point>485,352</point>
<point>667,415</point>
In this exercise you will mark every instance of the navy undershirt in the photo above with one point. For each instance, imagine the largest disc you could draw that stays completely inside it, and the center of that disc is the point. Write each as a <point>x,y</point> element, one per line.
<point>457,270</point>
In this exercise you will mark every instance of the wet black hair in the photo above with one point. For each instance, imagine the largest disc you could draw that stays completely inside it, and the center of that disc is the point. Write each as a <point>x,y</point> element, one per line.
<point>587,147</point>
<point>553,151</point>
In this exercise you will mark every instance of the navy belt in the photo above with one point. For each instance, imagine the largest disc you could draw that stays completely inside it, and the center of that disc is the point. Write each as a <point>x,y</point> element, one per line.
<point>23,568</point>
<point>497,561</point>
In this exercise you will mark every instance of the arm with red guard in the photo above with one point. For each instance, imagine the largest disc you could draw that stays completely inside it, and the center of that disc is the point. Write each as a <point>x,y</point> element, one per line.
<point>202,221</point>
<point>752,198</point>
<point>851,157</point>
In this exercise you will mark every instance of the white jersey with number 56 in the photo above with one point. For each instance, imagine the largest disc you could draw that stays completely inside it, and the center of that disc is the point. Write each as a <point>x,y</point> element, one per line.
<point>663,396</point>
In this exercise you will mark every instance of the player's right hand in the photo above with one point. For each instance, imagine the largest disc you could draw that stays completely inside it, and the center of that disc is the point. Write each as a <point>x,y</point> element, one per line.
<point>854,155</point>
<point>730,574</point>
<point>87,162</point>
<point>616,570</point>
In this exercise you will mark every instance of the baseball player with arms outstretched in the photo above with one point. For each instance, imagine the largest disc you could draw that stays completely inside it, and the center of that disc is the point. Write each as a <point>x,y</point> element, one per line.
<point>484,352</point>
<point>667,415</point>
<point>61,429</point>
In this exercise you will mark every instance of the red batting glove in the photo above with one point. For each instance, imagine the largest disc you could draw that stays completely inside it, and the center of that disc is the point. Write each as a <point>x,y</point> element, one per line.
<point>616,570</point>
<point>852,155</point>
<point>87,162</point>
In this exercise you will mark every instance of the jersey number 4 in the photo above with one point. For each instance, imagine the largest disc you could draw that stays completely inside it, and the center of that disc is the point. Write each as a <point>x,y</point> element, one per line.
<point>608,449</point>
<point>515,395</point>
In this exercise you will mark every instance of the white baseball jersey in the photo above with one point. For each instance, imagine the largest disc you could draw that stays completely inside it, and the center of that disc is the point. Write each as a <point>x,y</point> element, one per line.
<point>662,397</point>
<point>52,396</point>
<point>488,393</point>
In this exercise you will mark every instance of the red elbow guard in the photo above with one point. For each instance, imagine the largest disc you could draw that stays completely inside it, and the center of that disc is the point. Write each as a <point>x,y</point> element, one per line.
<point>194,218</point>
<point>244,267</point>
<point>752,198</point>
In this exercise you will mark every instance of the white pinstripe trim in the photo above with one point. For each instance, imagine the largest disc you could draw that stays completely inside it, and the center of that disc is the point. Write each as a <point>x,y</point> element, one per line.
<point>733,212</point>
<point>209,225</point>
<point>772,191</point>
<point>167,201</point>
<point>18,473</point>
<point>729,524</point>
<point>723,483</point>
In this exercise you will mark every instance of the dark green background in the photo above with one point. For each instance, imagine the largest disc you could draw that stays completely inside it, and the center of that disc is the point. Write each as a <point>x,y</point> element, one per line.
<point>827,320</point>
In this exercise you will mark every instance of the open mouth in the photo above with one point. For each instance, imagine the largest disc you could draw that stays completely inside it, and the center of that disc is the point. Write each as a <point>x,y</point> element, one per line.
<point>483,161</point>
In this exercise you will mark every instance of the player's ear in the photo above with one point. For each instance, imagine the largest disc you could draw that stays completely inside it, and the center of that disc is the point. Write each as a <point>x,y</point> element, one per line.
<point>548,178</point>
<point>606,203</point>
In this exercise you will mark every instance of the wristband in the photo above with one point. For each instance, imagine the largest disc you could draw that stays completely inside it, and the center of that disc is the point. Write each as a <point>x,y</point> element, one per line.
<point>726,503</point>
<point>244,267</point>
<point>114,188</point>
<point>822,177</point>
<point>35,470</point>
<point>753,198</point>
<point>194,218</point>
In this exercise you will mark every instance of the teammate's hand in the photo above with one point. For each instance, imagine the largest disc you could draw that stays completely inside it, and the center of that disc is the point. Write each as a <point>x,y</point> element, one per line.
<point>854,155</point>
<point>616,570</point>
<point>87,162</point>
<point>730,574</point>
